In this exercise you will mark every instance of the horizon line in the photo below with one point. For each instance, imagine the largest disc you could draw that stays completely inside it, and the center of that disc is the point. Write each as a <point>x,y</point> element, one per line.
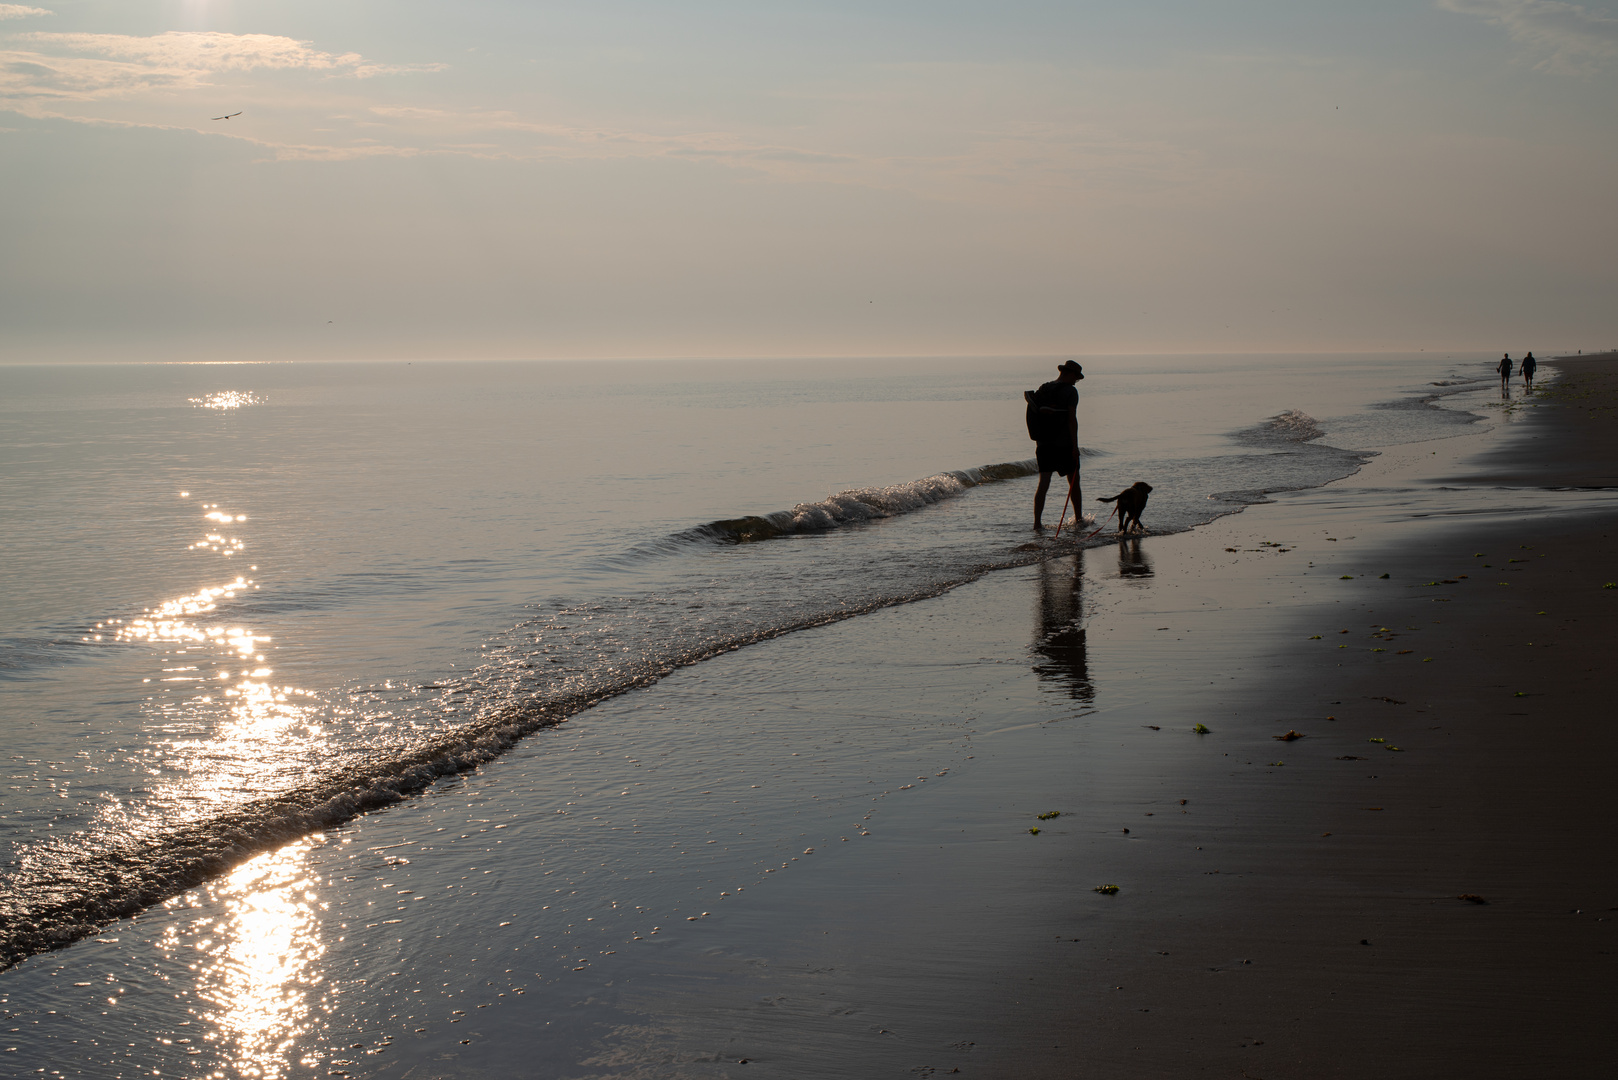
<point>776,358</point>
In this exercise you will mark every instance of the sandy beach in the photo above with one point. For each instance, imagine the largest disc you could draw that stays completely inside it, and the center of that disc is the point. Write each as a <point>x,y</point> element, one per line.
<point>1419,885</point>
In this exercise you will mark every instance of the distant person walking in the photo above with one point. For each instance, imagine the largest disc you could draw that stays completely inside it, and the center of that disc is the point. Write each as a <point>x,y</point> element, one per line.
<point>1055,428</point>
<point>1504,368</point>
<point>1529,366</point>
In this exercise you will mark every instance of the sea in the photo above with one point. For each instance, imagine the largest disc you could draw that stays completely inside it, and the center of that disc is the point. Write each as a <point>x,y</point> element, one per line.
<point>268,632</point>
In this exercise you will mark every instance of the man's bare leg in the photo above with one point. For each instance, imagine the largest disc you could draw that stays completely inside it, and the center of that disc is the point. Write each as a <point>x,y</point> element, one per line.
<point>1039,498</point>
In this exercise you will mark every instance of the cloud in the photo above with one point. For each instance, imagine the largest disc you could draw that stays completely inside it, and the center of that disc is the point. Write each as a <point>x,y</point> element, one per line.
<point>1572,38</point>
<point>964,127</point>
<point>557,140</point>
<point>84,66</point>
<point>18,11</point>
<point>850,143</point>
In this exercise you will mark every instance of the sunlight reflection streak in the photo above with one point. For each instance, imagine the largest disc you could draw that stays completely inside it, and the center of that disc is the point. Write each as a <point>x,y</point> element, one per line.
<point>226,399</point>
<point>259,964</point>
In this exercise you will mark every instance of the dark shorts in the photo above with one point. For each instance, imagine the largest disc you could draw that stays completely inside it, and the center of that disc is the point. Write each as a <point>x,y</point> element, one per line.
<point>1055,459</point>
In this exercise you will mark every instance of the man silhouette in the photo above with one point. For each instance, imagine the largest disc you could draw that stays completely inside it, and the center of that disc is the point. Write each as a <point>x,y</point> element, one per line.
<point>1057,438</point>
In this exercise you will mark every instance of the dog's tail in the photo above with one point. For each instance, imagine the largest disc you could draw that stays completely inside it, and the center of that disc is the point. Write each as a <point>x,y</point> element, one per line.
<point>1109,498</point>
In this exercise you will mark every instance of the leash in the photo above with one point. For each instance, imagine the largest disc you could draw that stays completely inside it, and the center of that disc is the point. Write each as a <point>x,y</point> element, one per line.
<point>1061,520</point>
<point>1103,525</point>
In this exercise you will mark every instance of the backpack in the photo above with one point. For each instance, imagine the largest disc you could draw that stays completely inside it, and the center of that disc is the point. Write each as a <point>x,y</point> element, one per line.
<point>1033,414</point>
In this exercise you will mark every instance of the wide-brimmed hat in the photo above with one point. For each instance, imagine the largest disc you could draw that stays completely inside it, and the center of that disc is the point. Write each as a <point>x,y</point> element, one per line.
<point>1070,367</point>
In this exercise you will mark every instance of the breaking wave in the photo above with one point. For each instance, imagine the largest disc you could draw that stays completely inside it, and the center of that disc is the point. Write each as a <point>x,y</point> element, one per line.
<point>858,505</point>
<point>1290,426</point>
<point>854,506</point>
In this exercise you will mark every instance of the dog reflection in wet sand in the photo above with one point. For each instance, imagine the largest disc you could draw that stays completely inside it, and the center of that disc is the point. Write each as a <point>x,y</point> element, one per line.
<point>1131,501</point>
<point>1132,561</point>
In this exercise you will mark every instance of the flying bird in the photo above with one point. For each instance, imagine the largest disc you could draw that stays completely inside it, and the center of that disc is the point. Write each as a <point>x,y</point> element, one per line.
<point>238,112</point>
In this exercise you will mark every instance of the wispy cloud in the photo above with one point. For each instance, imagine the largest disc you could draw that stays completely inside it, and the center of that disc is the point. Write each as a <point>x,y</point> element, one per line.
<point>552,139</point>
<point>19,11</point>
<point>85,66</point>
<point>1569,37</point>
<point>1029,153</point>
<point>963,126</point>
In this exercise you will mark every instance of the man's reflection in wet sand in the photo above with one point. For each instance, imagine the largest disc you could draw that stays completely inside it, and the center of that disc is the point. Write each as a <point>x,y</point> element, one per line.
<point>1059,634</point>
<point>1132,562</point>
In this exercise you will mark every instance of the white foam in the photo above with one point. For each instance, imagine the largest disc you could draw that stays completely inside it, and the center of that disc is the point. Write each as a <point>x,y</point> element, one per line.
<point>1295,426</point>
<point>867,504</point>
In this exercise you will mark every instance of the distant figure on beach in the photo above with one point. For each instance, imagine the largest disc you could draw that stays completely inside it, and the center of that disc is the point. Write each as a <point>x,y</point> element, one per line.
<point>1056,434</point>
<point>1504,368</point>
<point>1529,366</point>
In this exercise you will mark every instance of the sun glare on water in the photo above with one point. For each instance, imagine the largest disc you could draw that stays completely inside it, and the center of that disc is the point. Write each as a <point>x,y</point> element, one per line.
<point>234,730</point>
<point>259,963</point>
<point>226,399</point>
<point>219,542</point>
<point>228,733</point>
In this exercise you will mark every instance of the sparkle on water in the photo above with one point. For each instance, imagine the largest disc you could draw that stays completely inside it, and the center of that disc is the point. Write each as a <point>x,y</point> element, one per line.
<point>260,988</point>
<point>225,545</point>
<point>233,730</point>
<point>226,399</point>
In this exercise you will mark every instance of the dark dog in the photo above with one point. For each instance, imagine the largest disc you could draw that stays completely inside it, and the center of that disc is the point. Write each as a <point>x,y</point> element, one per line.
<point>1131,501</point>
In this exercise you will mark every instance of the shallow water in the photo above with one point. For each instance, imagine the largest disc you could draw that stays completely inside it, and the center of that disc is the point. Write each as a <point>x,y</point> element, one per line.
<point>407,567</point>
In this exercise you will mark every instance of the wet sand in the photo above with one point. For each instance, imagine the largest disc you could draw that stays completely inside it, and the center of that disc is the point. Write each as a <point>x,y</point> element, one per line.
<point>1327,906</point>
<point>1447,909</point>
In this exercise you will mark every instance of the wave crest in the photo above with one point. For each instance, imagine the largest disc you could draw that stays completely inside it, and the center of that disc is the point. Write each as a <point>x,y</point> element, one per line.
<point>1293,426</point>
<point>855,506</point>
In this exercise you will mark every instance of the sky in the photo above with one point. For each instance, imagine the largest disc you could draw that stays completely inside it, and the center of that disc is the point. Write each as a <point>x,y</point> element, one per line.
<point>492,179</point>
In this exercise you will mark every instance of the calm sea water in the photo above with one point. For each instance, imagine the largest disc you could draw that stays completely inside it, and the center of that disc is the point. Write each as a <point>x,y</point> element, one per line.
<point>243,604</point>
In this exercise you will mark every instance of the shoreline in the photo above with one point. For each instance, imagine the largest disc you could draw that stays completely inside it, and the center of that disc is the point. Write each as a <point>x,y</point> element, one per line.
<point>1446,908</point>
<point>883,905</point>
<point>1307,909</point>
<point>1573,445</point>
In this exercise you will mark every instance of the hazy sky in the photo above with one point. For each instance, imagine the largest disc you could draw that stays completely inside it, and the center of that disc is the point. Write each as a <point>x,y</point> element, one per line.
<point>493,178</point>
